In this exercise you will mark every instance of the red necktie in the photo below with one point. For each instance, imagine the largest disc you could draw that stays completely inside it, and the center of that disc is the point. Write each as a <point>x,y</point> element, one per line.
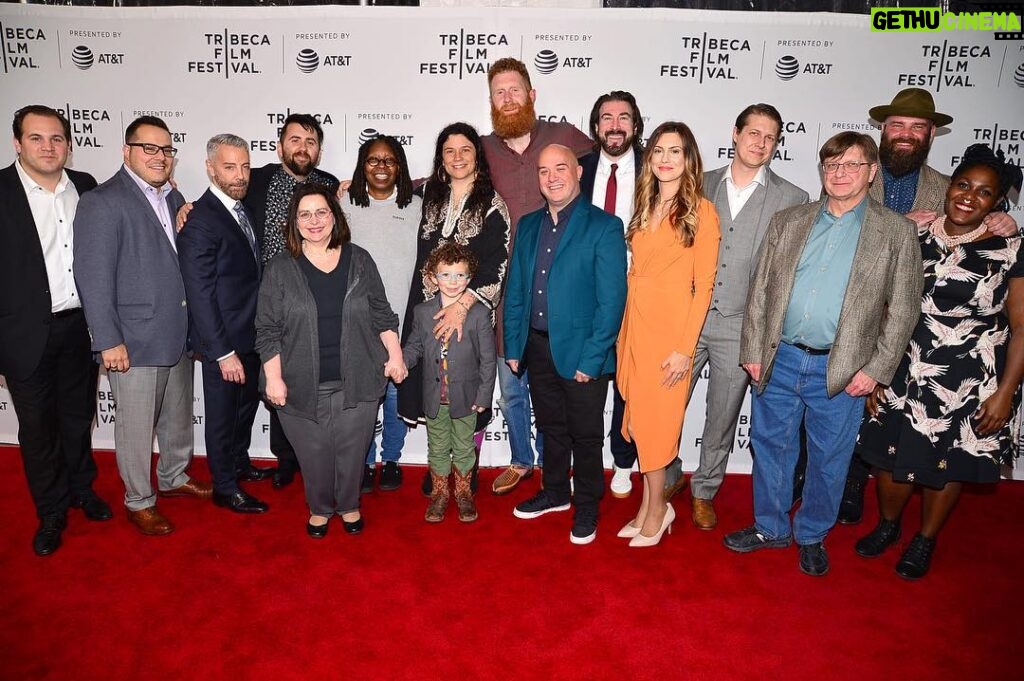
<point>609,194</point>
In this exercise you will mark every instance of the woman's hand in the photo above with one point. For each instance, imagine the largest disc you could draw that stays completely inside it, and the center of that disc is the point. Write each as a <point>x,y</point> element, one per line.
<point>676,367</point>
<point>276,391</point>
<point>450,320</point>
<point>876,398</point>
<point>395,369</point>
<point>993,413</point>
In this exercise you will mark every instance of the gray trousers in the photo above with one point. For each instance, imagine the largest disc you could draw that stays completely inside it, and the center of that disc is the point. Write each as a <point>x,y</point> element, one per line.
<point>331,450</point>
<point>152,399</point>
<point>719,348</point>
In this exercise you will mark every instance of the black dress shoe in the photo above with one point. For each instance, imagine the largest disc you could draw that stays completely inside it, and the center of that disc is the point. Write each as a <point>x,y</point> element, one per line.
<point>354,527</point>
<point>916,560</point>
<point>317,531</point>
<point>254,474</point>
<point>885,534</point>
<point>93,507</point>
<point>47,538</point>
<point>240,502</point>
<point>390,476</point>
<point>283,476</point>
<point>851,508</point>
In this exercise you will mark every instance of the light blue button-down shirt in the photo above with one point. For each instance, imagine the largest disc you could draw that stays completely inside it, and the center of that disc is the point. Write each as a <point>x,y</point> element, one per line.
<point>821,278</point>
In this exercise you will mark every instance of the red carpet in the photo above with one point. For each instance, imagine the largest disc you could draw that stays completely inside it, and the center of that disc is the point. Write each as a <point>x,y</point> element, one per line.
<point>228,596</point>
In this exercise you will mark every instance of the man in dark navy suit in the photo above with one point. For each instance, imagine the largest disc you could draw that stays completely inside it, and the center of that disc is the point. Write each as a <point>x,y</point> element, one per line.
<point>44,340</point>
<point>609,177</point>
<point>220,265</point>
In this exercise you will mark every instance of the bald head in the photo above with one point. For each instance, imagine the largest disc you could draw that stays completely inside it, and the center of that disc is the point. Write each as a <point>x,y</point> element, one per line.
<point>559,175</point>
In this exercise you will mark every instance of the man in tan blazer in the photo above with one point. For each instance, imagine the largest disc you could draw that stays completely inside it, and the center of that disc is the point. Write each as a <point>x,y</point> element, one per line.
<point>833,302</point>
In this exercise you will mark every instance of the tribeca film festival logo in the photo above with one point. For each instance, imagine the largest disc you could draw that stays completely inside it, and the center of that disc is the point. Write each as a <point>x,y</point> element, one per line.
<point>277,118</point>
<point>948,66</point>
<point>1003,19</point>
<point>90,127</point>
<point>1007,140</point>
<point>707,58</point>
<point>466,54</point>
<point>18,47</point>
<point>232,54</point>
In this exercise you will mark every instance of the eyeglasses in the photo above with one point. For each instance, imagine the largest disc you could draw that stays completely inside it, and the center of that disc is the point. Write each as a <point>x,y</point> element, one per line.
<point>151,149</point>
<point>308,215</point>
<point>452,276</point>
<point>851,167</point>
<point>388,162</point>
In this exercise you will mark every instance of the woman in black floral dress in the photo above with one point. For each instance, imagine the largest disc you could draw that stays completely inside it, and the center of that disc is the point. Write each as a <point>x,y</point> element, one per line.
<point>948,417</point>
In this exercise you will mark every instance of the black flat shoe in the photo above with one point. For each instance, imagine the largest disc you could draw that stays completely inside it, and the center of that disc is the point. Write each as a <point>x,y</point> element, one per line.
<point>317,531</point>
<point>93,507</point>
<point>354,527</point>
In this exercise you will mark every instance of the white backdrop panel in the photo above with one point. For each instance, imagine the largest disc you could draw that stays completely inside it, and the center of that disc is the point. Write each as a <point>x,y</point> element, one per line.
<point>408,72</point>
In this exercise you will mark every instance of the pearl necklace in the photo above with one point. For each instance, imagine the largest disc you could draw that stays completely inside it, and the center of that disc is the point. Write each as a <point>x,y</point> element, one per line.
<point>938,230</point>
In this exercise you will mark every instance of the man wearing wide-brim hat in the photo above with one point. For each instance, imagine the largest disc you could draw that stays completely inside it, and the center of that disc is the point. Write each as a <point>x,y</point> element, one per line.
<point>908,186</point>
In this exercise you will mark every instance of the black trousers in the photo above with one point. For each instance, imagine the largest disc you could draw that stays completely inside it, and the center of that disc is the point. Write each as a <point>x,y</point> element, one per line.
<point>230,412</point>
<point>571,415</point>
<point>56,406</point>
<point>623,451</point>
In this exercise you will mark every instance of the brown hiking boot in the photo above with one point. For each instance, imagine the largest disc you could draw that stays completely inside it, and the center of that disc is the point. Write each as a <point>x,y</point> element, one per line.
<point>464,496</point>
<point>438,498</point>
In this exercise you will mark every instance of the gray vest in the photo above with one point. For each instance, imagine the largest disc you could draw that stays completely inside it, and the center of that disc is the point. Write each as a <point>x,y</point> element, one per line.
<point>737,253</point>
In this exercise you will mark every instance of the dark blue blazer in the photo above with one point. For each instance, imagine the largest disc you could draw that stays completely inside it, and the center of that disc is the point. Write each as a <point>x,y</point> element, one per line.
<point>586,290</point>
<point>222,280</point>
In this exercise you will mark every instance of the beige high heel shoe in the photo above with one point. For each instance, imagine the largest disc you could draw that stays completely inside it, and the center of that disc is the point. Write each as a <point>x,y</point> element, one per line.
<point>666,524</point>
<point>629,530</point>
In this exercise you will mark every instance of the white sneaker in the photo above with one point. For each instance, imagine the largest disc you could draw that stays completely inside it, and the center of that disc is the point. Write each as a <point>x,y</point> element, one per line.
<point>621,485</point>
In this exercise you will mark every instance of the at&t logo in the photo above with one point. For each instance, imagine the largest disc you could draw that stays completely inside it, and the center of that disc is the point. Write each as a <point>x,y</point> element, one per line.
<point>547,61</point>
<point>368,134</point>
<point>788,67</point>
<point>83,57</point>
<point>308,60</point>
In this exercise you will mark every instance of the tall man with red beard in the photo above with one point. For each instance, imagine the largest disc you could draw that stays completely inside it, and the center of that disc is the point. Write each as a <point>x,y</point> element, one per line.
<point>916,190</point>
<point>512,151</point>
<point>270,192</point>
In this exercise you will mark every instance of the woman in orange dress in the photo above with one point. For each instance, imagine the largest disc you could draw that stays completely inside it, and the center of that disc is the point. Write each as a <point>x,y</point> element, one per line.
<point>674,237</point>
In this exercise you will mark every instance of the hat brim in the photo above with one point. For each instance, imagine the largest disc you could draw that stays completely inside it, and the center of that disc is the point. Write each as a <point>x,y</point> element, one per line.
<point>880,113</point>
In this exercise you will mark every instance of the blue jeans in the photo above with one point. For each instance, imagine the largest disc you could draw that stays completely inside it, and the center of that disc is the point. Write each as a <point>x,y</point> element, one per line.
<point>795,393</point>
<point>515,407</point>
<point>393,430</point>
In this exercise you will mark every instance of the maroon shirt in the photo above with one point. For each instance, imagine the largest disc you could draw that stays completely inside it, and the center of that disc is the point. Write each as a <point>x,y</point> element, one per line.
<point>514,176</point>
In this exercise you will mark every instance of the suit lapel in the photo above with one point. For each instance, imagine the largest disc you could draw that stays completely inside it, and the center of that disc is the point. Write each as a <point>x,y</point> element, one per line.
<point>580,216</point>
<point>144,207</point>
<point>22,219</point>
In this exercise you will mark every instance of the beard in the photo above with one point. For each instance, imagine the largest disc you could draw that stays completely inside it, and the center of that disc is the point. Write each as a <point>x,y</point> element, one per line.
<point>511,126</point>
<point>899,162</point>
<point>302,167</point>
<point>619,149</point>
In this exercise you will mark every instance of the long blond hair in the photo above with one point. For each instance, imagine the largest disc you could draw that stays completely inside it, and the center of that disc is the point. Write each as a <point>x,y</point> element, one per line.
<point>683,215</point>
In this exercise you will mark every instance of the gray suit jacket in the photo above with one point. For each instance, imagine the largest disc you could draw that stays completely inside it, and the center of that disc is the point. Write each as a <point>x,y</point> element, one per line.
<point>472,362</point>
<point>127,273</point>
<point>880,307</point>
<point>779,193</point>
<point>931,190</point>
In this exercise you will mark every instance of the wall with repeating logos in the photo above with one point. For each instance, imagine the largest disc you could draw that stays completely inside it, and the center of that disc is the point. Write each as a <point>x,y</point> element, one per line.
<point>407,72</point>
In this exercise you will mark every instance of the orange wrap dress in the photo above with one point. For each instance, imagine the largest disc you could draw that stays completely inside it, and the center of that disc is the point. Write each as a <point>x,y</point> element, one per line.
<point>669,294</point>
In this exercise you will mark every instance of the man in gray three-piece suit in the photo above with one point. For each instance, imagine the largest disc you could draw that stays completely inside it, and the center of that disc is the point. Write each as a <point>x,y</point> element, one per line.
<point>834,300</point>
<point>746,194</point>
<point>126,268</point>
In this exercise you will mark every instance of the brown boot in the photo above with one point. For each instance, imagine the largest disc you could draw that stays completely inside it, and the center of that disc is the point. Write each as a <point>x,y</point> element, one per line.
<point>438,498</point>
<point>464,496</point>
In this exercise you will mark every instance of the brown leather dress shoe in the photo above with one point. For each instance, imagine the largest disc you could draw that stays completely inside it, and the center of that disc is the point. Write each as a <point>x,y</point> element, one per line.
<point>704,516</point>
<point>192,488</point>
<point>150,521</point>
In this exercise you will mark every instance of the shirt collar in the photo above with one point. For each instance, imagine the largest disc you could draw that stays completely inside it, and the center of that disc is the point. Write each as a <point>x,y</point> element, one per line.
<point>759,177</point>
<point>624,162</point>
<point>565,214</point>
<point>228,202</point>
<point>858,210</point>
<point>31,185</point>
<point>145,186</point>
<point>904,179</point>
<point>391,199</point>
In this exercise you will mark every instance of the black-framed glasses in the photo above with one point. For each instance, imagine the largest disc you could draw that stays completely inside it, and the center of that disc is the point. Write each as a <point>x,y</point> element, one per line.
<point>151,149</point>
<point>851,167</point>
<point>452,276</point>
<point>388,162</point>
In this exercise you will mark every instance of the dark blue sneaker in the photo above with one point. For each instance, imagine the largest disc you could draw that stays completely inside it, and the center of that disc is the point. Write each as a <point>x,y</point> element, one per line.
<point>584,525</point>
<point>539,504</point>
<point>750,539</point>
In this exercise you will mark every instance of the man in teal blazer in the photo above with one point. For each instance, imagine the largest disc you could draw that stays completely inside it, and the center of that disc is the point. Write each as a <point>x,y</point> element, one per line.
<point>564,298</point>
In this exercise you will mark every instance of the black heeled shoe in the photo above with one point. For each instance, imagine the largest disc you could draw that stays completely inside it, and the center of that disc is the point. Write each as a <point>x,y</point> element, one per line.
<point>354,527</point>
<point>318,531</point>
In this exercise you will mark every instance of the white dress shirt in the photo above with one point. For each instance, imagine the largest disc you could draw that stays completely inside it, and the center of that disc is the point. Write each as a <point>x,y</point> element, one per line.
<point>625,180</point>
<point>54,213</point>
<point>738,196</point>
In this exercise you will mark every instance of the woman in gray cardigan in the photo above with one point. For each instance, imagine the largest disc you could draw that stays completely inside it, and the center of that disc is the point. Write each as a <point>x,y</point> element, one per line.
<point>329,341</point>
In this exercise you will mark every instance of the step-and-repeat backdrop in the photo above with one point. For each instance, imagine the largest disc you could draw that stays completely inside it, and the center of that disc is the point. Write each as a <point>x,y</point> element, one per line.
<point>408,72</point>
